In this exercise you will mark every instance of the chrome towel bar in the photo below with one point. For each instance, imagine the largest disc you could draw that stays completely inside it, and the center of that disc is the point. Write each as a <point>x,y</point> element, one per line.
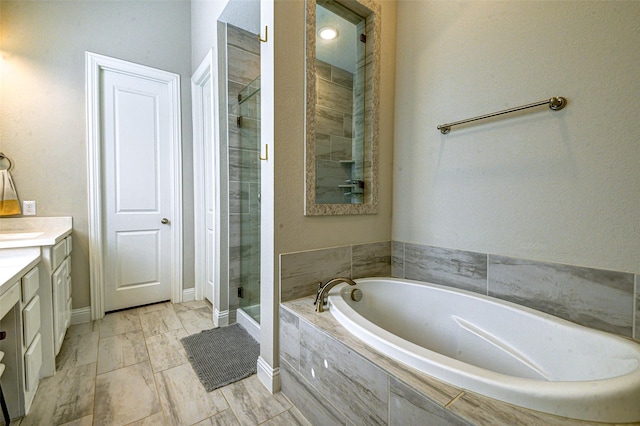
<point>555,103</point>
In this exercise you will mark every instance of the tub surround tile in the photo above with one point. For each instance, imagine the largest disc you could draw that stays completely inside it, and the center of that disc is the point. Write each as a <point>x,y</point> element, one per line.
<point>63,398</point>
<point>352,383</point>
<point>315,407</point>
<point>252,403</point>
<point>409,389</point>
<point>126,395</point>
<point>481,410</point>
<point>591,297</point>
<point>183,398</point>
<point>408,407</point>
<point>371,260</point>
<point>289,338</point>
<point>455,268</point>
<point>121,350</point>
<point>397,259</point>
<point>303,307</point>
<point>301,272</point>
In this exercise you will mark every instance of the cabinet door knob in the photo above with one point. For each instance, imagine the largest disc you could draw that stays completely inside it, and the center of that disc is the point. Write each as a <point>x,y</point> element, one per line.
<point>164,221</point>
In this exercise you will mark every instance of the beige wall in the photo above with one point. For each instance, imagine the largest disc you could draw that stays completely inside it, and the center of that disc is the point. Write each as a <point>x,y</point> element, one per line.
<point>554,186</point>
<point>293,230</point>
<point>42,110</point>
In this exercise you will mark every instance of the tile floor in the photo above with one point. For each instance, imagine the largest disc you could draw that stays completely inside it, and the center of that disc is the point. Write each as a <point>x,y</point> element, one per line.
<point>130,369</point>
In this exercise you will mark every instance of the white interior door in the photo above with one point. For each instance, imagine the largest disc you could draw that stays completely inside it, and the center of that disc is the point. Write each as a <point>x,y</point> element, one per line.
<point>208,190</point>
<point>136,124</point>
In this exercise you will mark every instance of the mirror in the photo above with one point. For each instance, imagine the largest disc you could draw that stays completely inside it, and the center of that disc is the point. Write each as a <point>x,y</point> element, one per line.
<point>342,78</point>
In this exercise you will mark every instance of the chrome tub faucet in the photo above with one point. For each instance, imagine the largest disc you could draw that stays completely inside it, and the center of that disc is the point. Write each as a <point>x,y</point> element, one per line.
<point>323,289</point>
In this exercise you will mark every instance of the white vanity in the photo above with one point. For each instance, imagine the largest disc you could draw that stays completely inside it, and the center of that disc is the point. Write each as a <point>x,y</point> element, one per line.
<point>35,302</point>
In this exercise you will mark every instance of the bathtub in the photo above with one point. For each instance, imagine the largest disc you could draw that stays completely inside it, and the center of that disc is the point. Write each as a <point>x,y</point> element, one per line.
<point>496,348</point>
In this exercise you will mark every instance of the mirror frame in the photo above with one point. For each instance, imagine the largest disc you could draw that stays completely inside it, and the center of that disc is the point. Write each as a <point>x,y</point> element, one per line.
<point>370,10</point>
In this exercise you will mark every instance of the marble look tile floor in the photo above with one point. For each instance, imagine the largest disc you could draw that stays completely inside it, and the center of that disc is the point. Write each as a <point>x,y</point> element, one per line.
<point>131,369</point>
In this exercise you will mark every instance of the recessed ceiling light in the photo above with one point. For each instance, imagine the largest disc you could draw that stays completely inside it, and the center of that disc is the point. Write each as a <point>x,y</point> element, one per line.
<point>328,33</point>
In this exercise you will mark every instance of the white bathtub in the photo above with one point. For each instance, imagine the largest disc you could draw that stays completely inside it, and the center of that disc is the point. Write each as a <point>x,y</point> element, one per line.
<point>496,348</point>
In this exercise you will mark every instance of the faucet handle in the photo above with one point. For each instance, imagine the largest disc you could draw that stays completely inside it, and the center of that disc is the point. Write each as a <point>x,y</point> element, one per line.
<point>318,292</point>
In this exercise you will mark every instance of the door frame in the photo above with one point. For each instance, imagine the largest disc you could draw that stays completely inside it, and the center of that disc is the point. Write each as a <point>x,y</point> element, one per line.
<point>94,64</point>
<point>202,75</point>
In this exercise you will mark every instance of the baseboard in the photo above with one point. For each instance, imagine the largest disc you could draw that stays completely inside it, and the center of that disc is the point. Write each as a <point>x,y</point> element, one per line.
<point>220,318</point>
<point>80,316</point>
<point>188,294</point>
<point>270,377</point>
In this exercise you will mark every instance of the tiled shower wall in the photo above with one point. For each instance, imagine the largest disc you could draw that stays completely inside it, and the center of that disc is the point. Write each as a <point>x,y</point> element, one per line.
<point>600,299</point>
<point>243,66</point>
<point>334,131</point>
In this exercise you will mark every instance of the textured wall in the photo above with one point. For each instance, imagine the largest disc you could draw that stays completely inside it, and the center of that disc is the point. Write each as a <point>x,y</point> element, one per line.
<point>552,186</point>
<point>294,231</point>
<point>42,113</point>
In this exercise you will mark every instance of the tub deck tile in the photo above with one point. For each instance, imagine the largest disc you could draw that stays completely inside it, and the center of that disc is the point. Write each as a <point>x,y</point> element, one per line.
<point>482,410</point>
<point>408,407</point>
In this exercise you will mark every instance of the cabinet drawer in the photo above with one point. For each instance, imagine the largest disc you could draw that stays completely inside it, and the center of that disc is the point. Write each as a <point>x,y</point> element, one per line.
<point>58,253</point>
<point>30,284</point>
<point>31,320</point>
<point>32,364</point>
<point>69,245</point>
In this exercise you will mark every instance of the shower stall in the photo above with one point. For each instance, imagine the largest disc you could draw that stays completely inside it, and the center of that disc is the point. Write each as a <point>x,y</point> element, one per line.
<point>242,122</point>
<point>248,121</point>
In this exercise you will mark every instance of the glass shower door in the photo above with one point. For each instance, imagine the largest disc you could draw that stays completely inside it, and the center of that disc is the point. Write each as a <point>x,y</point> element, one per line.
<point>249,126</point>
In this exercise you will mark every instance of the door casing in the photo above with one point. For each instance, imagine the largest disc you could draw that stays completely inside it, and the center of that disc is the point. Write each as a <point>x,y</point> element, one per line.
<point>94,64</point>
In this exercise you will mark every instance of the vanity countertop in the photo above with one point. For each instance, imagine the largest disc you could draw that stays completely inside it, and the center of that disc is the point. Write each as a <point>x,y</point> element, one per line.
<point>16,262</point>
<point>33,231</point>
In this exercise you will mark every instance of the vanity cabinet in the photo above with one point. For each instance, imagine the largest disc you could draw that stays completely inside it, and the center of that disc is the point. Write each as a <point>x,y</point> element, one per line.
<point>31,336</point>
<point>20,317</point>
<point>60,257</point>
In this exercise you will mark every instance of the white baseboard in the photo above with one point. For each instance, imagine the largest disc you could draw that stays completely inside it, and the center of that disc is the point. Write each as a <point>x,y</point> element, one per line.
<point>80,316</point>
<point>270,377</point>
<point>220,319</point>
<point>188,294</point>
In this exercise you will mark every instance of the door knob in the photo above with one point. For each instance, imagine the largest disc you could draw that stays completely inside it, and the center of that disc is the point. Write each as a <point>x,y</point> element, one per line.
<point>164,221</point>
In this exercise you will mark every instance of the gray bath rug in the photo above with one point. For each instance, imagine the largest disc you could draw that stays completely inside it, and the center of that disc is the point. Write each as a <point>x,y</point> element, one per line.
<point>221,356</point>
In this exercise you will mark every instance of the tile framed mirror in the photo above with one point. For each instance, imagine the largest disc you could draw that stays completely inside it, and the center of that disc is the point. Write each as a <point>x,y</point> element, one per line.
<point>342,104</point>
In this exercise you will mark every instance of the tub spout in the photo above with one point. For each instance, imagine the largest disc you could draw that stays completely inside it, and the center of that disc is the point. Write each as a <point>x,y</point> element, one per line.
<point>324,288</point>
